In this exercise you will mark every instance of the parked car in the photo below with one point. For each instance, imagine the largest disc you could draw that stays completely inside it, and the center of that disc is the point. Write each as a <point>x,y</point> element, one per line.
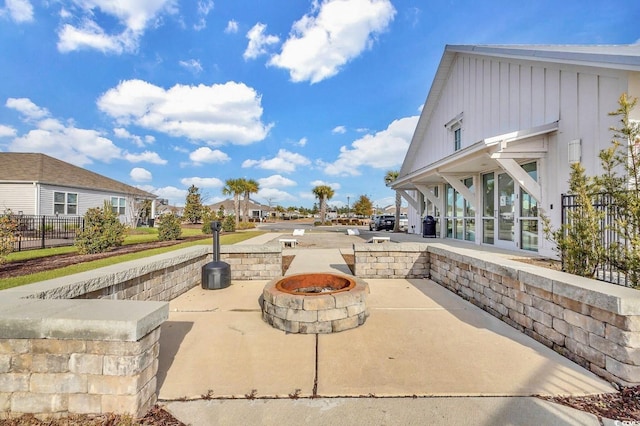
<point>404,223</point>
<point>384,222</point>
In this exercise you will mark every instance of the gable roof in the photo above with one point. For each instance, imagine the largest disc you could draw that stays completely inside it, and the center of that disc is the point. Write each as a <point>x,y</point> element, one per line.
<point>40,168</point>
<point>622,57</point>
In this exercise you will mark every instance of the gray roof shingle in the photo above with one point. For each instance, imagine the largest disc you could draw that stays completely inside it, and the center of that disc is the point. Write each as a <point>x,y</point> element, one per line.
<point>40,168</point>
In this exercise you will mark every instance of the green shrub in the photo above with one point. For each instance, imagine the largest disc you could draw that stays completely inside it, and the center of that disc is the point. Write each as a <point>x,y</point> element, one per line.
<point>102,231</point>
<point>208,216</point>
<point>8,232</point>
<point>229,224</point>
<point>246,225</point>
<point>169,227</point>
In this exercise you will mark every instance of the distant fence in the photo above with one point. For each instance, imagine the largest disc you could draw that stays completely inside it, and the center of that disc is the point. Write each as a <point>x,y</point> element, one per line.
<point>38,232</point>
<point>603,203</point>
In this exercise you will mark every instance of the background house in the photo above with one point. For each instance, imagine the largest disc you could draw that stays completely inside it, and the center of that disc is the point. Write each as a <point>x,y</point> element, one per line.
<point>497,134</point>
<point>255,210</point>
<point>37,184</point>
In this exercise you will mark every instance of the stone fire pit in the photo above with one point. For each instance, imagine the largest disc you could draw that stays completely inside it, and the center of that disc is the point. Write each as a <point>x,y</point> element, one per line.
<point>315,303</point>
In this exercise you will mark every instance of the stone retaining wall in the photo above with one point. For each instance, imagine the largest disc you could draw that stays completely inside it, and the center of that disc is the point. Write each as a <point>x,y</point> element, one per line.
<point>592,323</point>
<point>61,356</point>
<point>391,260</point>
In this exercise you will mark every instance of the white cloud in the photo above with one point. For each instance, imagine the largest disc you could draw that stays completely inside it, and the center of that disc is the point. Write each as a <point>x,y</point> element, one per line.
<point>147,156</point>
<point>334,33</point>
<point>27,108</point>
<point>204,7</point>
<point>284,162</point>
<point>339,130</point>
<point>7,131</point>
<point>232,27</point>
<point>176,197</point>
<point>334,185</point>
<point>18,10</point>
<point>274,195</point>
<point>192,65</point>
<point>202,182</point>
<point>208,155</point>
<point>302,142</point>
<point>382,150</point>
<point>57,139</point>
<point>258,41</point>
<point>132,16</point>
<point>70,144</point>
<point>123,133</point>
<point>216,114</point>
<point>139,174</point>
<point>275,181</point>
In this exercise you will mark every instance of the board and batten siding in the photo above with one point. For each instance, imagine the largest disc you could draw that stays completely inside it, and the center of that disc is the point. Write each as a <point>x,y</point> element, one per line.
<point>18,197</point>
<point>497,96</point>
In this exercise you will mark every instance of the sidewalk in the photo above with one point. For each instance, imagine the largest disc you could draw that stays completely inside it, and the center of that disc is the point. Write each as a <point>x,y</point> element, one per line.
<point>424,356</point>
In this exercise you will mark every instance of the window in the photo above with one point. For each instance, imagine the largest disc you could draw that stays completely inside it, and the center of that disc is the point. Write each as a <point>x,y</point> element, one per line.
<point>65,203</point>
<point>457,141</point>
<point>460,213</point>
<point>118,205</point>
<point>529,213</point>
<point>455,127</point>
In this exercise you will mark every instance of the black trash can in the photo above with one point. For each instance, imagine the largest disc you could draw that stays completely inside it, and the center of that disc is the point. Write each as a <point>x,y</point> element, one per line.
<point>428,227</point>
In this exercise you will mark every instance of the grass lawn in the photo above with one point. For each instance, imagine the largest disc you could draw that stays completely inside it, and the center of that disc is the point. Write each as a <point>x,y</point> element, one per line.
<point>131,239</point>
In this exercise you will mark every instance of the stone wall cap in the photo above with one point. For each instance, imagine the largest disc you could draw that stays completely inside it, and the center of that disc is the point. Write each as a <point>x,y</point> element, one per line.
<point>396,247</point>
<point>102,319</point>
<point>249,248</point>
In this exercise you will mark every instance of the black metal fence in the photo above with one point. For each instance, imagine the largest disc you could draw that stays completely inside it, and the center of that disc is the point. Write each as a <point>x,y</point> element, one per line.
<point>37,232</point>
<point>603,203</point>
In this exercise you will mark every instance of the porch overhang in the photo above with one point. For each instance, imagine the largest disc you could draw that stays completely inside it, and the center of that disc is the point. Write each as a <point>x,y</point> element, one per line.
<point>504,151</point>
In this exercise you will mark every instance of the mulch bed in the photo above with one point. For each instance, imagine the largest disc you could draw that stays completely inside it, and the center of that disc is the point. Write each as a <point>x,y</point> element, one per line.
<point>31,266</point>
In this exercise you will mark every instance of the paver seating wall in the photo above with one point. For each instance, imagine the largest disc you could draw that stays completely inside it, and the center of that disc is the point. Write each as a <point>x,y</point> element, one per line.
<point>60,356</point>
<point>596,325</point>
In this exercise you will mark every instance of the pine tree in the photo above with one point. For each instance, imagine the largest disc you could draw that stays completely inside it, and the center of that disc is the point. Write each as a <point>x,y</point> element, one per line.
<point>193,206</point>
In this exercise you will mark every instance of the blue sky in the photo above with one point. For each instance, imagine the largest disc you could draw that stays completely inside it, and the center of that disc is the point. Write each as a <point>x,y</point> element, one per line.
<point>163,94</point>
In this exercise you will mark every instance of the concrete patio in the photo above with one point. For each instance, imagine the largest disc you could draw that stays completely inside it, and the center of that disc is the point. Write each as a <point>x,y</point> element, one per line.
<point>429,353</point>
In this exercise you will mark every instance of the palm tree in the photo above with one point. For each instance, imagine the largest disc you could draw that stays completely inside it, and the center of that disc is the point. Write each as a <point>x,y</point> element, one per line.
<point>250,187</point>
<point>389,178</point>
<point>323,193</point>
<point>234,187</point>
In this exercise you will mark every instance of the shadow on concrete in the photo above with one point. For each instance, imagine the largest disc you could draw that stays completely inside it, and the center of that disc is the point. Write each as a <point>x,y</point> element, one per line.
<point>171,336</point>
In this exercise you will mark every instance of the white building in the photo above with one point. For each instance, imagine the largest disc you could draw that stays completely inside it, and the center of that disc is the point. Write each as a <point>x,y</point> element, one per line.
<point>499,130</point>
<point>37,184</point>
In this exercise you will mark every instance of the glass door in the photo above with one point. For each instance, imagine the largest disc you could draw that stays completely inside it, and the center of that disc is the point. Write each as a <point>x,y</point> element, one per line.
<point>506,210</point>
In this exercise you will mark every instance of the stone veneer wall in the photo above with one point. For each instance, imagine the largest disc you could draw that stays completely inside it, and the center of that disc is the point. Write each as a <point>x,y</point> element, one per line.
<point>391,260</point>
<point>54,377</point>
<point>60,356</point>
<point>592,323</point>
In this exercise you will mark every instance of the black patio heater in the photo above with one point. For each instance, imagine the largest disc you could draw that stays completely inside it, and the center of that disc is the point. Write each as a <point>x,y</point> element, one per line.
<point>216,274</point>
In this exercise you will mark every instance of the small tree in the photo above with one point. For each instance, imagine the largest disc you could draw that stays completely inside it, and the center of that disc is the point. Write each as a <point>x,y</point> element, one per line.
<point>169,227</point>
<point>363,206</point>
<point>621,182</point>
<point>208,216</point>
<point>234,187</point>
<point>579,240</point>
<point>102,231</point>
<point>323,193</point>
<point>229,224</point>
<point>193,206</point>
<point>8,234</point>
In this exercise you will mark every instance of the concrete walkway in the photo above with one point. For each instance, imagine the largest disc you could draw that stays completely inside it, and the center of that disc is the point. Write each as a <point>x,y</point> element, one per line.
<point>424,356</point>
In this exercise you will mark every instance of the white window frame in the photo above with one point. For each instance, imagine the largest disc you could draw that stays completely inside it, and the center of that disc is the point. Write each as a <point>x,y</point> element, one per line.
<point>66,204</point>
<point>118,205</point>
<point>455,127</point>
